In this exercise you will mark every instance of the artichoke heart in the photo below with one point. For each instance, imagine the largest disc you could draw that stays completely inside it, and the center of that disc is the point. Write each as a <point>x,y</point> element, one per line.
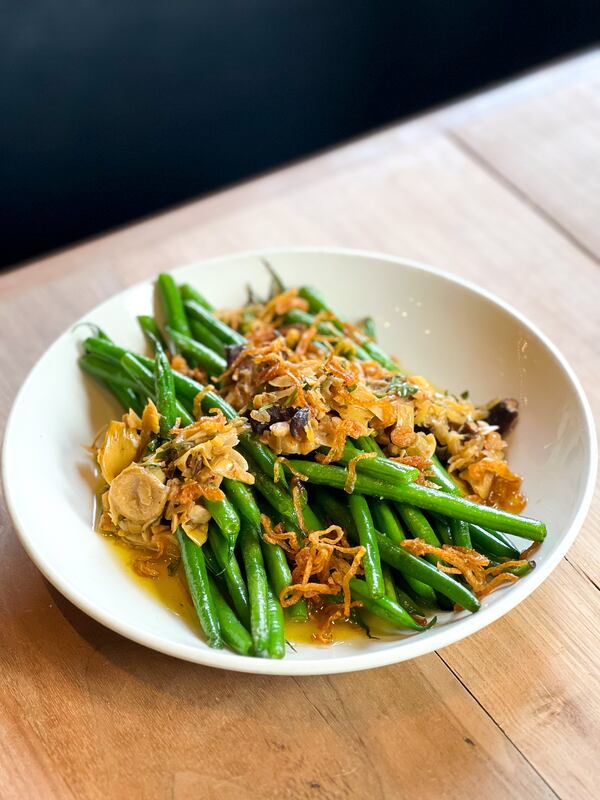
<point>138,495</point>
<point>118,449</point>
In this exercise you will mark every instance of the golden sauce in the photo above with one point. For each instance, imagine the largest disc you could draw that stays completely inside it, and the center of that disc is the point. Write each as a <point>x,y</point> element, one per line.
<point>169,590</point>
<point>304,633</point>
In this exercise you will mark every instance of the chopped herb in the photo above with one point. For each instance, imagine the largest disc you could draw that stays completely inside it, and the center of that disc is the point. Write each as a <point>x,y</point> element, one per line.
<point>290,399</point>
<point>399,386</point>
<point>465,395</point>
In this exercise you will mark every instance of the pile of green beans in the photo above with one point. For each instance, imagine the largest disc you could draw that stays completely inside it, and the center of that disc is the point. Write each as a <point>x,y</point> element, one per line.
<point>236,579</point>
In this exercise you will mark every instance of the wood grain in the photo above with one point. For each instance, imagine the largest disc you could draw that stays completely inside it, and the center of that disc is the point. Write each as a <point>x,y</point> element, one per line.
<point>513,711</point>
<point>547,147</point>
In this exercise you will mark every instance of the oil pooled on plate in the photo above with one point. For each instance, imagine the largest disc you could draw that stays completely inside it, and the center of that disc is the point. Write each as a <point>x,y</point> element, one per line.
<point>171,591</point>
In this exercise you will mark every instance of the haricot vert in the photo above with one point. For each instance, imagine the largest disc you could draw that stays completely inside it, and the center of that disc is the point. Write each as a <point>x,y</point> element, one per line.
<point>356,507</point>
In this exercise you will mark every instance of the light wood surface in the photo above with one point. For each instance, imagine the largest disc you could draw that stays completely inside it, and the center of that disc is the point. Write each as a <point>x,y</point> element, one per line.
<point>501,189</point>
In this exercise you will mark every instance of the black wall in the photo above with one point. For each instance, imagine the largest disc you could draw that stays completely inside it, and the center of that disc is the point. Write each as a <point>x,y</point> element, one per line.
<point>111,109</point>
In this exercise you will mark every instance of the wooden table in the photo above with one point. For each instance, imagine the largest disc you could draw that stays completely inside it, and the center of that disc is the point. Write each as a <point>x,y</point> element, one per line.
<point>503,189</point>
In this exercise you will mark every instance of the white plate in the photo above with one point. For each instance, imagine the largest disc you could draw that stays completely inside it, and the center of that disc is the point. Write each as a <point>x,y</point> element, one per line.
<point>457,335</point>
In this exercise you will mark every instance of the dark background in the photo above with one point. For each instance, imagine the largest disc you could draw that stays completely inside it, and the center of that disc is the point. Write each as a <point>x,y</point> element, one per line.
<point>113,109</point>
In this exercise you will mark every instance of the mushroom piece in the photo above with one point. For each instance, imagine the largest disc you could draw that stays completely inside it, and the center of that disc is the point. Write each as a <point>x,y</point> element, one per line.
<point>137,494</point>
<point>503,415</point>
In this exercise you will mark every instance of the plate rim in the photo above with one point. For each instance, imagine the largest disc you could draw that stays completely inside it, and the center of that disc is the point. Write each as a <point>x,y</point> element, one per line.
<point>420,645</point>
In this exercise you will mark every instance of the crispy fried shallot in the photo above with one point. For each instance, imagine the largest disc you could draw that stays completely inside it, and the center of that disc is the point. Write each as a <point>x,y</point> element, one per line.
<point>289,368</point>
<point>351,479</point>
<point>322,565</point>
<point>474,567</point>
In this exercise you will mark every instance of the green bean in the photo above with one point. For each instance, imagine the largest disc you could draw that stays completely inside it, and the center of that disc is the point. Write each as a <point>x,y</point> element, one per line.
<point>298,317</point>
<point>419,527</point>
<point>369,445</point>
<point>417,524</point>
<point>276,285</point>
<point>187,389</point>
<point>124,392</point>
<point>211,562</point>
<point>333,509</point>
<point>425,498</point>
<point>233,632</point>
<point>376,353</point>
<point>246,320</point>
<point>97,330</point>
<point>144,378</point>
<point>274,557</point>
<point>388,582</point>
<point>458,528</point>
<point>276,645</point>
<point>241,497</point>
<point>224,515</point>
<point>164,388</point>
<point>280,577</point>
<point>228,567</point>
<point>201,334</point>
<point>438,475</point>
<point>369,328</point>
<point>264,458</point>
<point>501,538</point>
<point>282,502</point>
<point>218,544</point>
<point>317,303</point>
<point>219,329</point>
<point>387,522</point>
<point>491,545</point>
<point>408,565</point>
<point>257,588</point>
<point>196,353</point>
<point>379,467</point>
<point>104,370</point>
<point>407,603</point>
<point>188,292</point>
<point>197,579</point>
<point>120,384</point>
<point>461,536</point>
<point>152,332</point>
<point>384,608</point>
<point>172,304</point>
<point>128,398</point>
<point>522,570</point>
<point>413,567</point>
<point>110,351</point>
<point>371,562</point>
<point>356,619</point>
<point>442,528</point>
